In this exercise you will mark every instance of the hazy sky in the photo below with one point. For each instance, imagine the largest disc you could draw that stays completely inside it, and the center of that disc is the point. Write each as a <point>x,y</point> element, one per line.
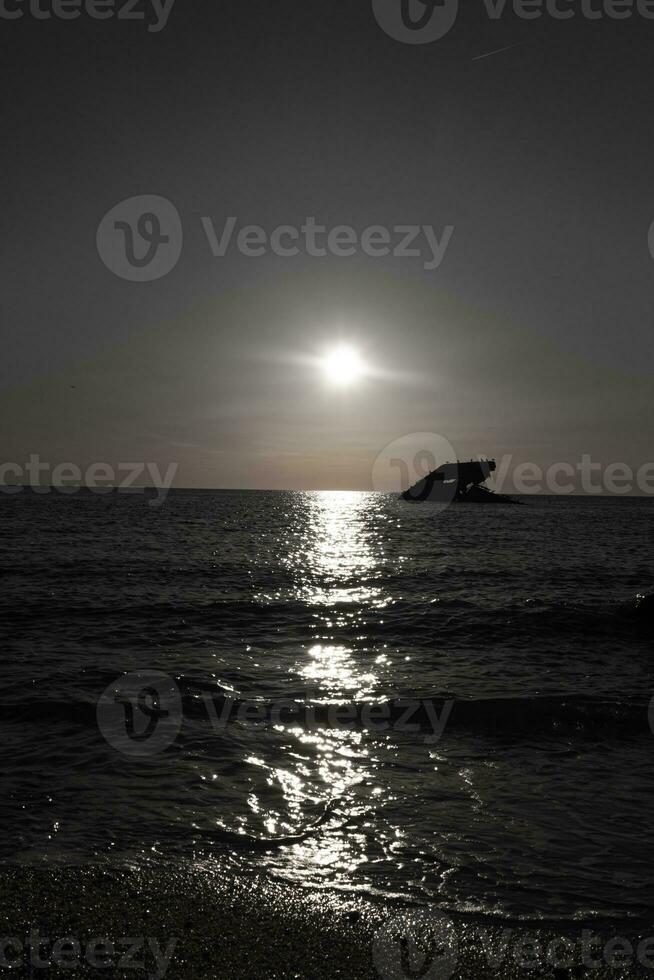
<point>534,336</point>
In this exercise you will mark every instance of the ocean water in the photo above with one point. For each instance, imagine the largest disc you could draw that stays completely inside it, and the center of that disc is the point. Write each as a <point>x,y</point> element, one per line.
<point>531,801</point>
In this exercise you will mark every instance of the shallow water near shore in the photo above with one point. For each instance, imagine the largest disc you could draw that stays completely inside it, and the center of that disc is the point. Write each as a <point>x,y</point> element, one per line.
<point>533,803</point>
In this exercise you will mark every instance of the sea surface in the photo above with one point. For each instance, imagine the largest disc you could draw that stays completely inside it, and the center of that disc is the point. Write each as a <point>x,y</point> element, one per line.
<point>533,800</point>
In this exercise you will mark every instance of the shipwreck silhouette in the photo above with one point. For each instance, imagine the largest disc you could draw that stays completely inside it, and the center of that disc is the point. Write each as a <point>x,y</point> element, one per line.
<point>459,483</point>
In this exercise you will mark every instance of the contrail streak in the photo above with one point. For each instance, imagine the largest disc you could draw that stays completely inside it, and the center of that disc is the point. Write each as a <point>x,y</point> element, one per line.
<point>497,51</point>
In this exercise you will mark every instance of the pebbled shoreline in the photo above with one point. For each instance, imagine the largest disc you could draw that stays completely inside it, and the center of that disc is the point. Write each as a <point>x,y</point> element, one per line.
<point>201,921</point>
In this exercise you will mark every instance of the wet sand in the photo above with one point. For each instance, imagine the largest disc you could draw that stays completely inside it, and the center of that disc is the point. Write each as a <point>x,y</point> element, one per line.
<point>250,927</point>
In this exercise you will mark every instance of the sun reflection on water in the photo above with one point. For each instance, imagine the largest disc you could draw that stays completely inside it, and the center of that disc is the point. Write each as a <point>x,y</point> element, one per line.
<point>334,557</point>
<point>338,554</point>
<point>334,669</point>
<point>342,558</point>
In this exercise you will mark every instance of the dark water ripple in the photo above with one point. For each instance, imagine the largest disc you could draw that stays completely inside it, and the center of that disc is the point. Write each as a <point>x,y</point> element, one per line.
<point>535,800</point>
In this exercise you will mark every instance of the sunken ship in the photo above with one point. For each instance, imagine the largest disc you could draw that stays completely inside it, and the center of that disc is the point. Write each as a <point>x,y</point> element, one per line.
<point>457,483</point>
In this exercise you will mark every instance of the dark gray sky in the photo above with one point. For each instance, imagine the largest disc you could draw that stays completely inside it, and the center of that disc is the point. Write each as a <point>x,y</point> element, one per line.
<point>534,336</point>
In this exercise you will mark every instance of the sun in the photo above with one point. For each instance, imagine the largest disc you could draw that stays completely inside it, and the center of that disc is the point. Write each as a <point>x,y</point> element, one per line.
<point>343,366</point>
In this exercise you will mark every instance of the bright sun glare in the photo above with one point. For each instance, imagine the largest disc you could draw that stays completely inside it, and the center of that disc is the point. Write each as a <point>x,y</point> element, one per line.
<point>343,366</point>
